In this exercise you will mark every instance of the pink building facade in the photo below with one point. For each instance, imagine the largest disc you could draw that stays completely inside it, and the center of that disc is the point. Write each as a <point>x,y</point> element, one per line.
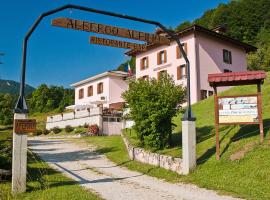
<point>208,52</point>
<point>103,89</point>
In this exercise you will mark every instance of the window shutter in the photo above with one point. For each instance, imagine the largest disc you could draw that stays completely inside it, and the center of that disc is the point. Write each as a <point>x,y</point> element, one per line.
<point>185,70</point>
<point>141,64</point>
<point>158,58</point>
<point>147,62</point>
<point>179,73</point>
<point>165,56</point>
<point>185,47</point>
<point>178,52</point>
<point>101,89</point>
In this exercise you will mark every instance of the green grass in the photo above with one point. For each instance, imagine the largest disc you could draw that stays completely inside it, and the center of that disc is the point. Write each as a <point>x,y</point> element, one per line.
<point>44,183</point>
<point>247,177</point>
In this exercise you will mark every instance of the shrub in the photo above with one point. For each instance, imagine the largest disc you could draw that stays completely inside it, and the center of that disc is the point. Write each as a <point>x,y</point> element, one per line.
<point>38,132</point>
<point>45,131</point>
<point>56,130</point>
<point>79,130</point>
<point>153,104</point>
<point>69,129</point>
<point>85,125</point>
<point>93,129</point>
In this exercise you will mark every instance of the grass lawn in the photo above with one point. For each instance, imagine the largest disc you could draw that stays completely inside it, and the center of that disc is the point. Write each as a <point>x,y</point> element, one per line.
<point>44,183</point>
<point>244,166</point>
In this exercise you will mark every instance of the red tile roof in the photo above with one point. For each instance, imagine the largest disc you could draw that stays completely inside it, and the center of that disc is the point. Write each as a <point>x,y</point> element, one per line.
<point>236,78</point>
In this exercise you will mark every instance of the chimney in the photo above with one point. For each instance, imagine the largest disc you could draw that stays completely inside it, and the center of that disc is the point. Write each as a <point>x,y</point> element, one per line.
<point>221,29</point>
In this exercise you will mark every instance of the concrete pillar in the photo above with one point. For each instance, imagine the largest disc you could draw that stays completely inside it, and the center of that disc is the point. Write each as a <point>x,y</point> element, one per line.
<point>188,146</point>
<point>100,120</point>
<point>19,159</point>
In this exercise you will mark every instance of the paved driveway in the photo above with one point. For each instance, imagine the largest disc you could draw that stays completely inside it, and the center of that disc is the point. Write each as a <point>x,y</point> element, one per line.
<point>110,181</point>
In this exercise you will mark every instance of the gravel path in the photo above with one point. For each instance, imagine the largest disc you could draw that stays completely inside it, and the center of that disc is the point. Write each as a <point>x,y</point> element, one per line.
<point>110,181</point>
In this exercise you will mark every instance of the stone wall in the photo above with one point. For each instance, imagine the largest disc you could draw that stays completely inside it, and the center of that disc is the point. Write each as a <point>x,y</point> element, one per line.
<point>163,161</point>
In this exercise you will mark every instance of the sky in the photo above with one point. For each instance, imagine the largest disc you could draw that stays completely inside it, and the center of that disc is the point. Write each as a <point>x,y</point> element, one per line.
<point>58,56</point>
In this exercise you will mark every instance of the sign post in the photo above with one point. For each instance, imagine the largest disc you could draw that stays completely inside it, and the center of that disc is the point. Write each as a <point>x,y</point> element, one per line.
<point>243,109</point>
<point>21,127</point>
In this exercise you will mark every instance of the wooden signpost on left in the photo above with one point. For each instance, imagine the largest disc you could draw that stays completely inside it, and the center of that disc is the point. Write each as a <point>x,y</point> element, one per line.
<point>21,127</point>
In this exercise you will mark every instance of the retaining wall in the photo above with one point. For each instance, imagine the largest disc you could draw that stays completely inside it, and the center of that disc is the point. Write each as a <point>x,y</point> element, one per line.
<point>163,161</point>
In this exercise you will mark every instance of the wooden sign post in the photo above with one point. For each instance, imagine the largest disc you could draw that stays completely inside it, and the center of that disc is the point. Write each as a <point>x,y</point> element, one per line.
<point>242,109</point>
<point>22,126</point>
<point>109,30</point>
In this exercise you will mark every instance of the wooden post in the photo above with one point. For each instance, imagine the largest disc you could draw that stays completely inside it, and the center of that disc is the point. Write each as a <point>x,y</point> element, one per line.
<point>19,158</point>
<point>260,111</point>
<point>216,123</point>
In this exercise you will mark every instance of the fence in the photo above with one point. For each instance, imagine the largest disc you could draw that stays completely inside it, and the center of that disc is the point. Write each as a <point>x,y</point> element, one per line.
<point>76,118</point>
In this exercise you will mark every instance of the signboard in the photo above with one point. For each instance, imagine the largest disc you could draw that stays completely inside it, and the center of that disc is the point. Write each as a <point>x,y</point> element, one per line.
<point>22,126</point>
<point>109,30</point>
<point>238,110</point>
<point>117,43</point>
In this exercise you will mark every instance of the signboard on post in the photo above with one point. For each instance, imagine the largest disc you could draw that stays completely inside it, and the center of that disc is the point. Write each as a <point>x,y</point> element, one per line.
<point>117,43</point>
<point>23,126</point>
<point>238,110</point>
<point>109,30</point>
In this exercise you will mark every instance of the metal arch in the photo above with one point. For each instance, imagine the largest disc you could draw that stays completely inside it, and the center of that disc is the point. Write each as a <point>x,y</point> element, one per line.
<point>21,106</point>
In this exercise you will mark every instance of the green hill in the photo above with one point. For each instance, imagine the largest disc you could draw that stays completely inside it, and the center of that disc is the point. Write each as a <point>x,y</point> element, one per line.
<point>13,87</point>
<point>243,169</point>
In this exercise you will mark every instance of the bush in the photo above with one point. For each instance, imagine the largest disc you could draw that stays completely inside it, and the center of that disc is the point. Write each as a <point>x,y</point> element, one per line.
<point>93,129</point>
<point>152,105</point>
<point>85,125</point>
<point>38,132</point>
<point>69,129</point>
<point>45,131</point>
<point>56,130</point>
<point>79,130</point>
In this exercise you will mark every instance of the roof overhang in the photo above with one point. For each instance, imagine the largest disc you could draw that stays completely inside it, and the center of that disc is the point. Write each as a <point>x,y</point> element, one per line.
<point>99,76</point>
<point>236,78</point>
<point>199,29</point>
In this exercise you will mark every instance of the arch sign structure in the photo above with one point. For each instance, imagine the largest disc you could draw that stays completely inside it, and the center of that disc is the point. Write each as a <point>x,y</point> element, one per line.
<point>22,125</point>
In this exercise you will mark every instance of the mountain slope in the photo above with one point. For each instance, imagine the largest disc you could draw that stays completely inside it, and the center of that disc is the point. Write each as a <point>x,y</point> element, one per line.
<point>13,87</point>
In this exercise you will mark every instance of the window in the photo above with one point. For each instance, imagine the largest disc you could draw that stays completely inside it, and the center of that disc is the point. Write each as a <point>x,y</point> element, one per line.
<point>81,91</point>
<point>161,73</point>
<point>100,88</point>
<point>227,56</point>
<point>181,72</point>
<point>144,63</point>
<point>178,52</point>
<point>90,91</point>
<point>210,93</point>
<point>203,94</point>
<point>227,70</point>
<point>162,57</point>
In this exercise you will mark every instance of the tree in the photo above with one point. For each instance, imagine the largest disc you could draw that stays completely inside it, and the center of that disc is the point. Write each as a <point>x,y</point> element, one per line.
<point>152,105</point>
<point>183,25</point>
<point>45,99</point>
<point>7,103</point>
<point>261,58</point>
<point>131,63</point>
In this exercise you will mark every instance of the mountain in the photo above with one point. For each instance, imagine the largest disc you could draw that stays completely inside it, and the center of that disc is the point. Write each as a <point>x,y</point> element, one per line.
<point>245,20</point>
<point>13,87</point>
